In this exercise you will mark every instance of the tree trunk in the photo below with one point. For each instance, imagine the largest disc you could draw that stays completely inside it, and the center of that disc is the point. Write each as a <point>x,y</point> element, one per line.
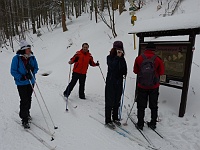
<point>63,16</point>
<point>102,5</point>
<point>16,17</point>
<point>32,17</point>
<point>72,8</point>
<point>96,11</point>
<point>121,6</point>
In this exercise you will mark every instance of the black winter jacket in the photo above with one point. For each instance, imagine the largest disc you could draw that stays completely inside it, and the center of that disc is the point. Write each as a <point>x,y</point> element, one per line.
<point>116,69</point>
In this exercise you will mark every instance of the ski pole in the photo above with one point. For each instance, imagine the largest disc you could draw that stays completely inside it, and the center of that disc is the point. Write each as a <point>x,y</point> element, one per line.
<point>102,73</point>
<point>41,109</point>
<point>43,101</point>
<point>125,124</point>
<point>70,70</point>
<point>122,100</point>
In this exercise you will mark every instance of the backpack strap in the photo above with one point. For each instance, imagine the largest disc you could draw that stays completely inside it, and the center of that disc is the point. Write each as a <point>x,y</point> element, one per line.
<point>153,58</point>
<point>143,56</point>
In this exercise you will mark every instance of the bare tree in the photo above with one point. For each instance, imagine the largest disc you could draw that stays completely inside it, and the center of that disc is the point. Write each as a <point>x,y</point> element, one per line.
<point>111,12</point>
<point>64,26</point>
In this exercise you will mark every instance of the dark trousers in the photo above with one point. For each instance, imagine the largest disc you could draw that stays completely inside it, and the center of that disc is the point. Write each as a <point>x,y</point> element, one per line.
<point>25,93</point>
<point>75,78</point>
<point>143,97</point>
<point>113,94</point>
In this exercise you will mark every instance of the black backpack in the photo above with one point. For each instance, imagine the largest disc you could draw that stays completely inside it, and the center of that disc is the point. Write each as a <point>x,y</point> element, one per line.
<point>147,74</point>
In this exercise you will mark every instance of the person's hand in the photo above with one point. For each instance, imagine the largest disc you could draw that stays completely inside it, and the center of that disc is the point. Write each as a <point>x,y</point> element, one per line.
<point>29,67</point>
<point>97,64</point>
<point>70,62</point>
<point>119,53</point>
<point>28,76</point>
<point>23,78</point>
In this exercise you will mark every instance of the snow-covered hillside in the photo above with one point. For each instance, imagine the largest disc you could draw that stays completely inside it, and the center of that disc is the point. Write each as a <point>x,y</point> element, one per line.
<point>76,129</point>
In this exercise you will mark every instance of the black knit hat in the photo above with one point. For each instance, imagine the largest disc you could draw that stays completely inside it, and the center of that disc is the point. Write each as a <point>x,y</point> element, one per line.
<point>118,45</point>
<point>151,46</point>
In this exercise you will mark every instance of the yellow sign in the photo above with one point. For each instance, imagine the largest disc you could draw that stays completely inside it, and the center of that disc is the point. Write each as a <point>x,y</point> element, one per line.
<point>133,18</point>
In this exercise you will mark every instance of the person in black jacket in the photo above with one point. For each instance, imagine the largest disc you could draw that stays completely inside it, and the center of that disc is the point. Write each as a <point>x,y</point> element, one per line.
<point>117,70</point>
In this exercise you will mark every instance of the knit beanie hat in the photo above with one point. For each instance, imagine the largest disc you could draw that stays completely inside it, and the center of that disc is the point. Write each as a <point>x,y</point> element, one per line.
<point>24,45</point>
<point>118,45</point>
<point>151,46</point>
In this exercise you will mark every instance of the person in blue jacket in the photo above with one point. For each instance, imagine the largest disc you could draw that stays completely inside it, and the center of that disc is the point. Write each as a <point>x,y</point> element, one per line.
<point>117,70</point>
<point>23,68</point>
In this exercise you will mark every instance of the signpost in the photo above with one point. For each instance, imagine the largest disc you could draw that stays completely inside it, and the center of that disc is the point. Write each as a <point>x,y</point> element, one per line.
<point>177,57</point>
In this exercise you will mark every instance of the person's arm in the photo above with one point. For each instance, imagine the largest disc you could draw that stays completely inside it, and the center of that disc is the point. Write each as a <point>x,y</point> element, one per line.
<point>74,58</point>
<point>35,66</point>
<point>14,68</point>
<point>136,66</point>
<point>92,63</point>
<point>123,67</point>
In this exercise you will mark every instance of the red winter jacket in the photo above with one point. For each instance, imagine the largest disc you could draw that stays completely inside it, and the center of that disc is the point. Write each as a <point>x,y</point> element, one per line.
<point>82,60</point>
<point>159,66</point>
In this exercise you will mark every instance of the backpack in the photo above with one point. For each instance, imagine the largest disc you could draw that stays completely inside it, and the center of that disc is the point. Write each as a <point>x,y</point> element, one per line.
<point>147,74</point>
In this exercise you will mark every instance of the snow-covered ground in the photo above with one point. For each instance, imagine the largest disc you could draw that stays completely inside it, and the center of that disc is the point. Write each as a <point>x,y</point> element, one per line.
<point>76,130</point>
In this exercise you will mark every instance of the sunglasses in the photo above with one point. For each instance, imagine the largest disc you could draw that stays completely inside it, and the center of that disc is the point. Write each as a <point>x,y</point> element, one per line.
<point>120,51</point>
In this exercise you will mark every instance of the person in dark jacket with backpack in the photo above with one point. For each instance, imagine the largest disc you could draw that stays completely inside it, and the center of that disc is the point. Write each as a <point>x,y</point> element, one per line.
<point>148,68</point>
<point>117,70</point>
<point>23,68</point>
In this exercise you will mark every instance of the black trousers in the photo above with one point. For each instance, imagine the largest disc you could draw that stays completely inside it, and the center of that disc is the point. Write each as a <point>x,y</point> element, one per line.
<point>25,93</point>
<point>143,97</point>
<point>75,78</point>
<point>113,94</point>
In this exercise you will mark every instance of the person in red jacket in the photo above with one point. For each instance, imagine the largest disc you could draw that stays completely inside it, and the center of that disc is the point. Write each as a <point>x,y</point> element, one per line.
<point>148,84</point>
<point>81,60</point>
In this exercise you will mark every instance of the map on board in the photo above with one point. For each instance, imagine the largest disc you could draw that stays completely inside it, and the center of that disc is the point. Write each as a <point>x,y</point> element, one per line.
<point>173,56</point>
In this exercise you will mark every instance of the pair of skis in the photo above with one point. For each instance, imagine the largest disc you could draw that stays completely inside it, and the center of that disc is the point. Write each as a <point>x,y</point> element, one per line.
<point>37,137</point>
<point>155,131</point>
<point>123,132</point>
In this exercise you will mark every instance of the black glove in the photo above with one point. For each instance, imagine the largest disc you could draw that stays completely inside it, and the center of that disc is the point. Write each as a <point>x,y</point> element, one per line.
<point>23,78</point>
<point>97,64</point>
<point>29,67</point>
<point>28,76</point>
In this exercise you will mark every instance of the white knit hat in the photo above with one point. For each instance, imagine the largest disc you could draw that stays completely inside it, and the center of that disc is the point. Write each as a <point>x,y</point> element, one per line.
<point>24,45</point>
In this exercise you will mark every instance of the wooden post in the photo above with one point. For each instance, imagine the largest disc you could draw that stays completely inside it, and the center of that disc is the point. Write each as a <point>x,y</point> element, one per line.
<point>187,75</point>
<point>134,39</point>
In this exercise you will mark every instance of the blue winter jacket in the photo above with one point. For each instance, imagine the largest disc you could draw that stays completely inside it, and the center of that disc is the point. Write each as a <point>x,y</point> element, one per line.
<point>18,69</point>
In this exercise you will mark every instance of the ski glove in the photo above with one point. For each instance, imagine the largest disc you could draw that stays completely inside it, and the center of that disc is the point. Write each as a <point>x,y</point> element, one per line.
<point>29,67</point>
<point>23,78</point>
<point>28,76</point>
<point>97,64</point>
